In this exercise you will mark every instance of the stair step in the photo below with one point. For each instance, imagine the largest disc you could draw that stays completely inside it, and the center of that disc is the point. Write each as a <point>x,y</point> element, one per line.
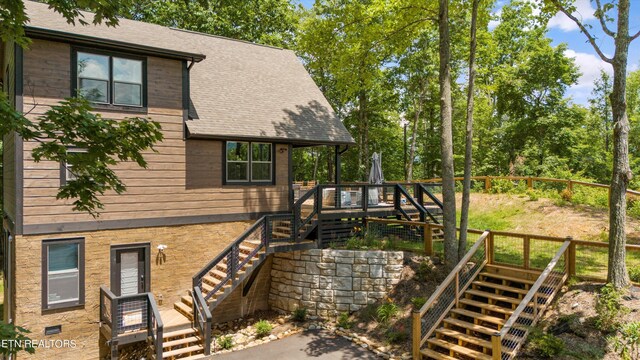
<point>187,340</point>
<point>217,273</point>
<point>280,234</point>
<point>464,337</point>
<point>184,309</point>
<point>490,307</point>
<point>247,249</point>
<point>182,351</point>
<point>507,278</point>
<point>432,354</point>
<point>493,296</point>
<point>470,326</point>
<point>479,316</point>
<point>501,287</point>
<point>459,349</point>
<point>177,333</point>
<point>510,270</point>
<point>187,300</point>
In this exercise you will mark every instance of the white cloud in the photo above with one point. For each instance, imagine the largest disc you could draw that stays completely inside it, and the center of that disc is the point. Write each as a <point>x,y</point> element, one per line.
<point>495,19</point>
<point>584,12</point>
<point>590,66</point>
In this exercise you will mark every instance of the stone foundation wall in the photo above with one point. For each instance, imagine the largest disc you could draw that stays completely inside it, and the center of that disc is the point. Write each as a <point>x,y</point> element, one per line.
<point>328,282</point>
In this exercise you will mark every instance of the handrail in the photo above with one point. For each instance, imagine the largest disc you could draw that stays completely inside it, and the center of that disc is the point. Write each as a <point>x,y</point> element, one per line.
<point>431,196</point>
<point>458,288</point>
<point>155,327</point>
<point>202,318</point>
<point>413,202</point>
<point>532,295</point>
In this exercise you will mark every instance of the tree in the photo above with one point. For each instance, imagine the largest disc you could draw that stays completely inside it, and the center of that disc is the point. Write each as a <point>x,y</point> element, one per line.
<point>72,124</point>
<point>601,104</point>
<point>617,269</point>
<point>468,152</point>
<point>446,138</point>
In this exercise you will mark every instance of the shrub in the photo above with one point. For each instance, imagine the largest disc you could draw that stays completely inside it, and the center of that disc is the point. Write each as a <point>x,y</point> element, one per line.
<point>343,321</point>
<point>566,195</point>
<point>608,309</point>
<point>386,312</point>
<point>395,336</point>
<point>17,333</point>
<point>263,328</point>
<point>418,302</point>
<point>424,271</point>
<point>225,342</point>
<point>300,314</point>
<point>545,345</point>
<point>628,343</point>
<point>533,196</point>
<point>634,274</point>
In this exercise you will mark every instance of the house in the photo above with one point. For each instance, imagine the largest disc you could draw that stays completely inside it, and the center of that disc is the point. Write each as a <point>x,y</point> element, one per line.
<point>231,114</point>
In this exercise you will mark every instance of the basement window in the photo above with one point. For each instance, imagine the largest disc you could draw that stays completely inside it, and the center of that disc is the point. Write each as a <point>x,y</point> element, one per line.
<point>62,273</point>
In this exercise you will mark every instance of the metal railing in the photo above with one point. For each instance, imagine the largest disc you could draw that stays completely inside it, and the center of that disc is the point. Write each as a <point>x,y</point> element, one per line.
<point>255,237</point>
<point>507,342</point>
<point>302,218</point>
<point>447,294</point>
<point>132,313</point>
<point>202,318</point>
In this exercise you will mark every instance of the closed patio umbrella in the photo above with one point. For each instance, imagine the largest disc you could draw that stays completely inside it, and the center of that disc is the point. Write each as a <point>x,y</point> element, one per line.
<point>375,177</point>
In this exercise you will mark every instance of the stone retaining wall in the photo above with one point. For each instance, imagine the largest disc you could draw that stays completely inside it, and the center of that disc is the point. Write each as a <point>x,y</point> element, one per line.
<point>328,282</point>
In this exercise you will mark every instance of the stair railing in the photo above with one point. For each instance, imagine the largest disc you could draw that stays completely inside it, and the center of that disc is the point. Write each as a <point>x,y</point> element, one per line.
<point>202,318</point>
<point>448,293</point>
<point>300,220</point>
<point>507,342</point>
<point>424,190</point>
<point>231,254</point>
<point>400,193</point>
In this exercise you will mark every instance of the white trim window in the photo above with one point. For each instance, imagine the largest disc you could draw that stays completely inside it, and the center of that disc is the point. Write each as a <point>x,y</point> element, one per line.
<point>63,273</point>
<point>69,175</point>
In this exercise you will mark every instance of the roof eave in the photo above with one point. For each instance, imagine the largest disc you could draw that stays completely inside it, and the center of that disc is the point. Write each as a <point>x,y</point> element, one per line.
<point>293,141</point>
<point>56,35</point>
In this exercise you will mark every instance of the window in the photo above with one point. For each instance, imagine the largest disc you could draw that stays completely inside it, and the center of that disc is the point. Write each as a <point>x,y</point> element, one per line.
<point>67,168</point>
<point>249,162</point>
<point>105,79</point>
<point>62,273</point>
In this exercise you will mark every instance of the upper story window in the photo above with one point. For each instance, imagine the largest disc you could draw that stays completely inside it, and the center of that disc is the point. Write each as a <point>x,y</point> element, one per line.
<point>67,173</point>
<point>114,80</point>
<point>249,162</point>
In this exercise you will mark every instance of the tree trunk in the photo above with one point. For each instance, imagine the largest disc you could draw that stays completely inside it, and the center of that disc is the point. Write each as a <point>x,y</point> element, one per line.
<point>446,139</point>
<point>618,274</point>
<point>414,133</point>
<point>330,159</point>
<point>468,159</point>
<point>316,162</point>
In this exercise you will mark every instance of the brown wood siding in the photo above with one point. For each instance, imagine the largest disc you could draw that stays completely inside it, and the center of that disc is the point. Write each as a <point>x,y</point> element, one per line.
<point>184,178</point>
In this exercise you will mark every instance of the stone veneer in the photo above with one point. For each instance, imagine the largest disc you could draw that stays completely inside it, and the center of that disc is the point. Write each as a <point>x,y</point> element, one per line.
<point>328,282</point>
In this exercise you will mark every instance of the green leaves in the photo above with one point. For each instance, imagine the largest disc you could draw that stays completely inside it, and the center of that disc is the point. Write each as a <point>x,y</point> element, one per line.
<point>17,339</point>
<point>103,143</point>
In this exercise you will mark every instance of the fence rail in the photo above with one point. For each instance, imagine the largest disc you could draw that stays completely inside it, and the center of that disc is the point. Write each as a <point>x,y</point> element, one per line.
<point>132,313</point>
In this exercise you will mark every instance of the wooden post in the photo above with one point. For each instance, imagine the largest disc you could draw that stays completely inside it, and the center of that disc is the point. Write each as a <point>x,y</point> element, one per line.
<point>457,287</point>
<point>527,252</point>
<point>571,267</point>
<point>570,185</point>
<point>496,346</point>
<point>530,183</point>
<point>416,334</point>
<point>487,183</point>
<point>490,248</point>
<point>428,239</point>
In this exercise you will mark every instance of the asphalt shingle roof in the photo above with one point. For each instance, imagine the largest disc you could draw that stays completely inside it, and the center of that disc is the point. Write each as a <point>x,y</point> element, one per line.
<point>240,90</point>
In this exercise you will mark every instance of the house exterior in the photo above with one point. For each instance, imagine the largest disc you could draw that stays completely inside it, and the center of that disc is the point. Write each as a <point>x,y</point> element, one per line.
<point>231,114</point>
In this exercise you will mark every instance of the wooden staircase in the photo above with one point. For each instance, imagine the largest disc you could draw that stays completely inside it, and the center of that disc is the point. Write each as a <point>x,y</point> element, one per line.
<point>182,344</point>
<point>481,311</point>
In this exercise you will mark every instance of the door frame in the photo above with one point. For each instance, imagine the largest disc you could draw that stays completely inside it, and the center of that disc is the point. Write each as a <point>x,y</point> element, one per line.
<point>146,249</point>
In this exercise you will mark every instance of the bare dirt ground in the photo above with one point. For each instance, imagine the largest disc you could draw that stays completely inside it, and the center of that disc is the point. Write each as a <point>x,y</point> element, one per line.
<point>545,217</point>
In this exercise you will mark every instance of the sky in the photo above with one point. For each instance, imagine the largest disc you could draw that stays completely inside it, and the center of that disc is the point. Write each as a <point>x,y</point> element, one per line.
<point>564,30</point>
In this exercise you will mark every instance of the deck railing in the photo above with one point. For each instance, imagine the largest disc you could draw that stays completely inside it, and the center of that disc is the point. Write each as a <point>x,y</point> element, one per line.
<point>507,342</point>
<point>427,318</point>
<point>256,237</point>
<point>132,313</point>
<point>202,318</point>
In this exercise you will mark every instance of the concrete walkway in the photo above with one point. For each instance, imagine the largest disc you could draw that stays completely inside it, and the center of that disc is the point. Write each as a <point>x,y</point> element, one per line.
<point>313,344</point>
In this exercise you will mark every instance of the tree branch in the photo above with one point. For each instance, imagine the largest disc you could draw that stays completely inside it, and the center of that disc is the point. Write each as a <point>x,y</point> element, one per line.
<point>584,30</point>
<point>600,16</point>
<point>634,36</point>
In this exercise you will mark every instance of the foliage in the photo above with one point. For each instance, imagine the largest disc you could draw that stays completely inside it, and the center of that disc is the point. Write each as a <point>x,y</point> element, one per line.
<point>343,321</point>
<point>627,344</point>
<point>15,333</point>
<point>396,334</point>
<point>566,195</point>
<point>386,312</point>
<point>418,302</point>
<point>263,328</point>
<point>104,143</point>
<point>299,314</point>
<point>609,310</point>
<point>545,345</point>
<point>424,271</point>
<point>634,274</point>
<point>225,342</point>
